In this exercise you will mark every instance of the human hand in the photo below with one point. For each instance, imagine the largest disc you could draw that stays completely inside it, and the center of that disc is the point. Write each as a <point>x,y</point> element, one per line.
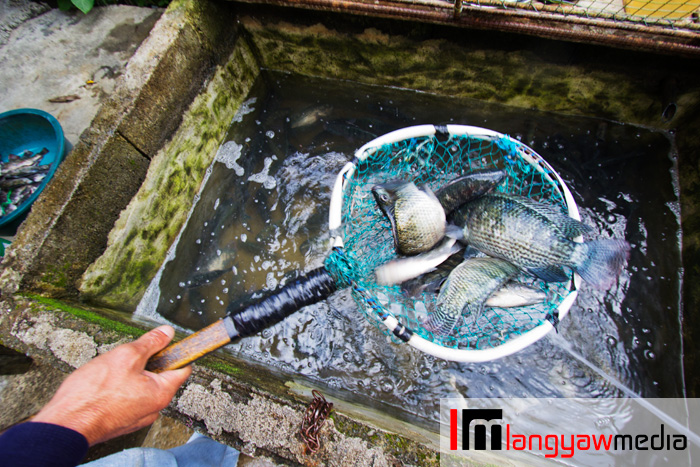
<point>113,394</point>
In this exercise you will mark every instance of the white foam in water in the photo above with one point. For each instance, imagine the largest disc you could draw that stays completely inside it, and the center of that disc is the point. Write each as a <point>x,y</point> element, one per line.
<point>228,154</point>
<point>244,109</point>
<point>264,177</point>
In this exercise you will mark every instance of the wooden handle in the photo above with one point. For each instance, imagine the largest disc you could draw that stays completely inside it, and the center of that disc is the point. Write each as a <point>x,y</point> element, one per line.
<point>305,290</point>
<point>191,347</point>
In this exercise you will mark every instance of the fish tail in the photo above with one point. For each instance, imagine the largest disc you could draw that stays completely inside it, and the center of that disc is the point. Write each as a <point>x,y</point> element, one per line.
<point>601,261</point>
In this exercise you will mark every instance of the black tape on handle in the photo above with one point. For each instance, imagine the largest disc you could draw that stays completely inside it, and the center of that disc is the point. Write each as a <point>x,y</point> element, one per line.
<point>306,290</point>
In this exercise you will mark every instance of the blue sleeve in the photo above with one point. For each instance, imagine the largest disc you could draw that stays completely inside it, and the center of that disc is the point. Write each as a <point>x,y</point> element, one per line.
<point>41,444</point>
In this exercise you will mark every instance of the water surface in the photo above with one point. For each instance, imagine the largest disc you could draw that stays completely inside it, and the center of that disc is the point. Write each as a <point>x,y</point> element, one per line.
<point>261,219</point>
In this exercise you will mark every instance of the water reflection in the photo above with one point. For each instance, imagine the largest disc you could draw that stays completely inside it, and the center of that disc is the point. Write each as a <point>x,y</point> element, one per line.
<point>262,216</point>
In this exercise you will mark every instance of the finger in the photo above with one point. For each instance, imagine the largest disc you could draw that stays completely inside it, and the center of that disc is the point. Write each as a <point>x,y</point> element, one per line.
<point>153,341</point>
<point>173,379</point>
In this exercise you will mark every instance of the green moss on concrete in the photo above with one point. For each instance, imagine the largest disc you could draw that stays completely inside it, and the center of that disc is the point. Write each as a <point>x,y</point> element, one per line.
<point>141,237</point>
<point>221,367</point>
<point>86,315</point>
<point>56,276</point>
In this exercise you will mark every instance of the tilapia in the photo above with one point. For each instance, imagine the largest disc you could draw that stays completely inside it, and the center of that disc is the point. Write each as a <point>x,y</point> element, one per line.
<point>465,292</point>
<point>468,187</point>
<point>512,295</point>
<point>538,237</point>
<point>417,219</point>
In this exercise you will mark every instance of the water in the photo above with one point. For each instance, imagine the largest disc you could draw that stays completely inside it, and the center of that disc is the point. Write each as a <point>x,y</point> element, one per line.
<point>262,215</point>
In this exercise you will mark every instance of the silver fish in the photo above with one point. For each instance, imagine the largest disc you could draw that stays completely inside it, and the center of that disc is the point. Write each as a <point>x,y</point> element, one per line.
<point>537,237</point>
<point>403,269</point>
<point>27,171</point>
<point>417,219</point>
<point>515,294</point>
<point>15,165</point>
<point>465,292</point>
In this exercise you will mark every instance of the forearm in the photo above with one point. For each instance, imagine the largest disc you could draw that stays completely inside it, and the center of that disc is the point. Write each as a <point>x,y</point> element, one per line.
<point>42,444</point>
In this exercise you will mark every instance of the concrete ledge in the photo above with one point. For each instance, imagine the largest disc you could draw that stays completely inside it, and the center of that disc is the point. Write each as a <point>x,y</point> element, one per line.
<point>51,253</point>
<point>240,405</point>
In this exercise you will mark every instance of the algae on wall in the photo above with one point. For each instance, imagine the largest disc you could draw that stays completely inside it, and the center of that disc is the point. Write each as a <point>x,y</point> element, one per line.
<point>140,240</point>
<point>530,73</point>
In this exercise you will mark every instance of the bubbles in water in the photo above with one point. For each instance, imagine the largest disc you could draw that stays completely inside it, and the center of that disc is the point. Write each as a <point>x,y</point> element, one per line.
<point>604,422</point>
<point>386,385</point>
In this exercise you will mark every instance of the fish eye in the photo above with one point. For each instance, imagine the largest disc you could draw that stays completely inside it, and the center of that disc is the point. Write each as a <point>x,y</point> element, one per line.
<point>384,197</point>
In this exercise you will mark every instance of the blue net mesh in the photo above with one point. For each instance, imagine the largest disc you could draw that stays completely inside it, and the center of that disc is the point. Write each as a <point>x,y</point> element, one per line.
<point>434,161</point>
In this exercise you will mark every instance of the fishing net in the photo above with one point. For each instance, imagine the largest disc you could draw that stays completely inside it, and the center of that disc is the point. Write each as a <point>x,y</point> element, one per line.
<point>433,159</point>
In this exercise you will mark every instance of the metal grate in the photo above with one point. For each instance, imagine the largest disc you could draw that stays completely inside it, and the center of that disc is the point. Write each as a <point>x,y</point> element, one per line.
<point>675,14</point>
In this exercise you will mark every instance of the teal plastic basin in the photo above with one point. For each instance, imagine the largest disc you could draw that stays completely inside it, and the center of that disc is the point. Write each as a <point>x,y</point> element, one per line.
<point>33,130</point>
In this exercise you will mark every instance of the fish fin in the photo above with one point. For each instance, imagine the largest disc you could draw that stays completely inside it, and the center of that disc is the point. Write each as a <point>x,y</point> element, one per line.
<point>568,226</point>
<point>471,252</point>
<point>415,287</point>
<point>472,313</point>
<point>452,231</point>
<point>440,324</point>
<point>602,261</point>
<point>550,273</point>
<point>571,228</point>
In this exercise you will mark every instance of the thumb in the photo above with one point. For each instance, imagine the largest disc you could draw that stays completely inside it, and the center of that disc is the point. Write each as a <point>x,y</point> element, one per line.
<point>153,341</point>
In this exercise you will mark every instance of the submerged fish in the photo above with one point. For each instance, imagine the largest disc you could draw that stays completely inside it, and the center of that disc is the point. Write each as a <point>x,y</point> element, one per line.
<point>310,115</point>
<point>537,237</point>
<point>468,187</point>
<point>465,291</point>
<point>417,219</point>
